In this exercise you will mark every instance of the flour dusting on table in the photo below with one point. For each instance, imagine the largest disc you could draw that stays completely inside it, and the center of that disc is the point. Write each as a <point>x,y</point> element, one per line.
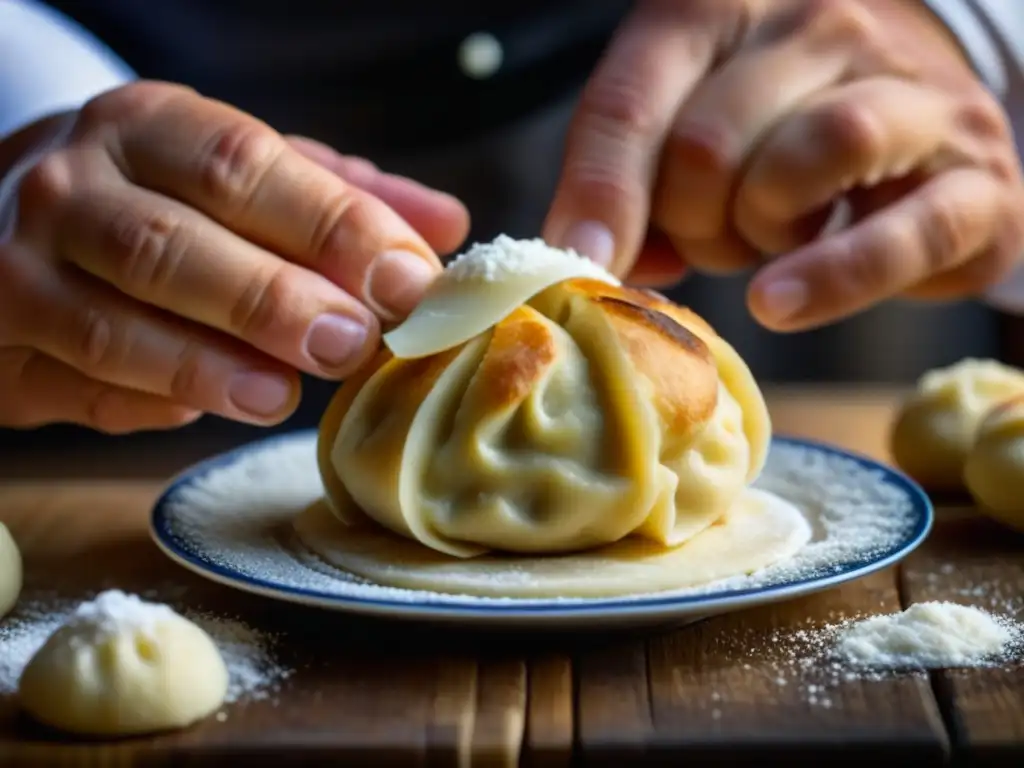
<point>253,672</point>
<point>238,516</point>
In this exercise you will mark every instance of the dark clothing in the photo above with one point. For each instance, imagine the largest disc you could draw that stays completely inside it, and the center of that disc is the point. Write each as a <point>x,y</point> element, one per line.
<point>381,79</point>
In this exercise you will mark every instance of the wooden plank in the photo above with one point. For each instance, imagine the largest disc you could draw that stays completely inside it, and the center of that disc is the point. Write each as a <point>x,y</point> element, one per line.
<point>731,687</point>
<point>974,561</point>
<point>613,707</point>
<point>361,692</point>
<point>500,720</point>
<point>549,726</point>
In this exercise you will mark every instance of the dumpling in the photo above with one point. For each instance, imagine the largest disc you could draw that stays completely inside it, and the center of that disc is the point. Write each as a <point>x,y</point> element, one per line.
<point>10,571</point>
<point>934,429</point>
<point>583,414</point>
<point>121,666</point>
<point>994,472</point>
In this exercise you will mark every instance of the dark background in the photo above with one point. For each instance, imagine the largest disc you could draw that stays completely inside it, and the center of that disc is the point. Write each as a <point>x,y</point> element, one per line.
<point>381,80</point>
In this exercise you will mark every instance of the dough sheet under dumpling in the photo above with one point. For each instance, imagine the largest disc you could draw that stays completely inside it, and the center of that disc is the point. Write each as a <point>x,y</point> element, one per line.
<point>760,529</point>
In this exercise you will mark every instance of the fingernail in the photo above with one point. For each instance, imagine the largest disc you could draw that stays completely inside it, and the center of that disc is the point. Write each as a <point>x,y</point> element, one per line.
<point>333,340</point>
<point>396,283</point>
<point>783,299</point>
<point>260,394</point>
<point>593,240</point>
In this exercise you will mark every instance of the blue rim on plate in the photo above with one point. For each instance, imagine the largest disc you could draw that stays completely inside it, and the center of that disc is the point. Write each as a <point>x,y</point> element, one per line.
<point>705,603</point>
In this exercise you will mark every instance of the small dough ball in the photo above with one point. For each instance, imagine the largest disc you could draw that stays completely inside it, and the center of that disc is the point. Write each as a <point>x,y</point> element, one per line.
<point>934,430</point>
<point>10,571</point>
<point>121,666</point>
<point>994,472</point>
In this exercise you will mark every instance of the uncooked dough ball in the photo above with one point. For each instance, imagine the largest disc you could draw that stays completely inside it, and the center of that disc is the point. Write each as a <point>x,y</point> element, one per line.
<point>994,471</point>
<point>10,571</point>
<point>121,666</point>
<point>935,428</point>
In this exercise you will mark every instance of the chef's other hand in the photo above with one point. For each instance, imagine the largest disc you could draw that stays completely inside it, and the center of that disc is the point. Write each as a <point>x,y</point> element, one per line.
<point>174,256</point>
<point>735,127</point>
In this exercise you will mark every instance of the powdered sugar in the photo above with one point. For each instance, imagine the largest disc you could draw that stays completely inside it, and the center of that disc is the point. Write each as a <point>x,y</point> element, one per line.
<point>505,256</point>
<point>247,652</point>
<point>237,516</point>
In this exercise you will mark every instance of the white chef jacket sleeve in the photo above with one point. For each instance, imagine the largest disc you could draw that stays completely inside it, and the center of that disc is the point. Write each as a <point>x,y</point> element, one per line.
<point>992,35</point>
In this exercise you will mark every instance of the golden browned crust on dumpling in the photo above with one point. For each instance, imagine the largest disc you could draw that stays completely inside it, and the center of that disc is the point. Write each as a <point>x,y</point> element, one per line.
<point>521,350</point>
<point>676,362</point>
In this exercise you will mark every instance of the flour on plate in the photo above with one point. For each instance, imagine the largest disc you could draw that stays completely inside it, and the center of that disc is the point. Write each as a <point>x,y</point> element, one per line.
<point>238,515</point>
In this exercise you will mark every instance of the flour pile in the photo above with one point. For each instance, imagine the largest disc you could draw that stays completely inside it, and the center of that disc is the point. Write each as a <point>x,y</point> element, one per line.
<point>814,659</point>
<point>928,636</point>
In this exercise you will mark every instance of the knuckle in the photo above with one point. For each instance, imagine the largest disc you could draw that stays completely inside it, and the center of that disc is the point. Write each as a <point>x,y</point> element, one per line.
<point>98,346</point>
<point>127,102</point>
<point>348,224</point>
<point>606,185</point>
<point>236,159</point>
<point>263,305</point>
<point>45,185</point>
<point>696,148</point>
<point>187,382</point>
<point>851,129</point>
<point>942,234</point>
<point>147,249</point>
<point>841,21</point>
<point>982,115</point>
<point>102,411</point>
<point>618,106</point>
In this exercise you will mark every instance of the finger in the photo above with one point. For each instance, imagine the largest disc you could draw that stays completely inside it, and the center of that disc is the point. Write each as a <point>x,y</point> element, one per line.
<point>441,219</point>
<point>939,227</point>
<point>241,173</point>
<point>36,390</point>
<point>854,135</point>
<point>164,253</point>
<point>113,339</point>
<point>722,255</point>
<point>657,265</point>
<point>602,202</point>
<point>969,279</point>
<point>721,123</point>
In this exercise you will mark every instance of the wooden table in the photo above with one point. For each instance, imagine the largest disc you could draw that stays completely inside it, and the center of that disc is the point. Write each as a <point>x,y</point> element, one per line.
<point>369,693</point>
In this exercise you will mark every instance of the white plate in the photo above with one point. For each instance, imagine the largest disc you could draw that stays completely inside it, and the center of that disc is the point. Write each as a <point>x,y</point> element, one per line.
<point>229,519</point>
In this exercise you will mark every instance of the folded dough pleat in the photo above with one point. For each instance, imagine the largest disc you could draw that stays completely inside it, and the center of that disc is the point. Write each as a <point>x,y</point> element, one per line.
<point>385,440</point>
<point>548,453</point>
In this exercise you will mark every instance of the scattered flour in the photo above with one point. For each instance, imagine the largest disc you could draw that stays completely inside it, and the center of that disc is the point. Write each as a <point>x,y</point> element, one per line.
<point>252,670</point>
<point>238,517</point>
<point>813,659</point>
<point>505,256</point>
<point>927,635</point>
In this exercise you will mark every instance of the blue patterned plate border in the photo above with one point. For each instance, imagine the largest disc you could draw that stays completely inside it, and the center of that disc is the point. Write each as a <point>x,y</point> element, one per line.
<point>653,609</point>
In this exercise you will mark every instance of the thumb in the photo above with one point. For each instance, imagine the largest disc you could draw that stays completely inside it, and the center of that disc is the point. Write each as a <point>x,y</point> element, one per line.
<point>602,202</point>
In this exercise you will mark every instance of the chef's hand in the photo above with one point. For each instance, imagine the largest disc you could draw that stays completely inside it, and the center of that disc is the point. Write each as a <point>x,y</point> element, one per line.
<point>735,126</point>
<point>175,256</point>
